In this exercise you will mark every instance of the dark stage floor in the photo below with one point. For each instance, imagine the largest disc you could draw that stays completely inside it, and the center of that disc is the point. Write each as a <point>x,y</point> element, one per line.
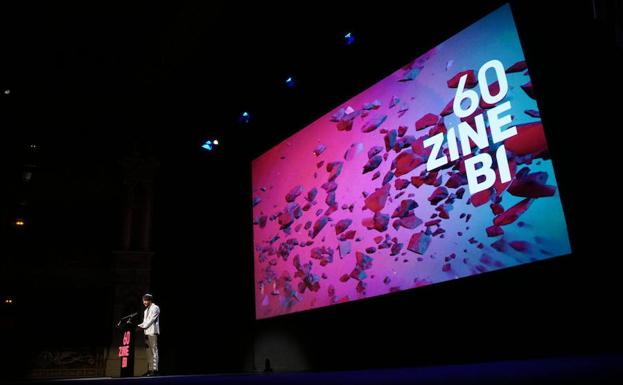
<point>576,370</point>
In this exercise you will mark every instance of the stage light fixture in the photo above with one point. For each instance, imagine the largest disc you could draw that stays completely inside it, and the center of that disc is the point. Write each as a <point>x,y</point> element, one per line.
<point>245,117</point>
<point>19,222</point>
<point>349,38</point>
<point>209,144</point>
<point>290,83</point>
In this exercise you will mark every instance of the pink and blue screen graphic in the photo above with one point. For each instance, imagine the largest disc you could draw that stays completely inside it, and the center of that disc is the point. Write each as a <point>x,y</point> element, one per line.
<point>376,197</point>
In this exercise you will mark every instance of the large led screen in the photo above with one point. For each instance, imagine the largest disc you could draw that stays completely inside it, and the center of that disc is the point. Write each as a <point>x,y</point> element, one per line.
<point>437,172</point>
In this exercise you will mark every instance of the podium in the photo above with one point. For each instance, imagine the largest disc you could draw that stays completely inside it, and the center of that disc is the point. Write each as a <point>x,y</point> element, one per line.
<point>126,332</point>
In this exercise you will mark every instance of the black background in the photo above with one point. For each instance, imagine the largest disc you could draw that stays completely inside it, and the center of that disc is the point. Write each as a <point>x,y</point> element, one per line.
<point>93,83</point>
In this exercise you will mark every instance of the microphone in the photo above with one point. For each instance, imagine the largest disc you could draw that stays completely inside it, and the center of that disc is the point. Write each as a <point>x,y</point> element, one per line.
<point>128,318</point>
<point>130,315</point>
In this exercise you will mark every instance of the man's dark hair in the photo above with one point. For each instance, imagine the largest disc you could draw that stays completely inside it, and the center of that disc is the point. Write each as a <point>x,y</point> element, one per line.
<point>148,297</point>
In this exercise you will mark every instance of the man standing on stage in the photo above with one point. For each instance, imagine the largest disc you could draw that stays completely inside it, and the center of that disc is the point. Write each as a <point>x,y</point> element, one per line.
<point>151,327</point>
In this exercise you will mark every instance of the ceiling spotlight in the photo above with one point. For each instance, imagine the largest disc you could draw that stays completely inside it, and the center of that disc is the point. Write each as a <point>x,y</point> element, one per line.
<point>208,145</point>
<point>349,38</point>
<point>245,117</point>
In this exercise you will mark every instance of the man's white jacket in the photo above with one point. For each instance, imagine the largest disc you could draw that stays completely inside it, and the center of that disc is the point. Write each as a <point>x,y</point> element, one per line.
<point>151,324</point>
